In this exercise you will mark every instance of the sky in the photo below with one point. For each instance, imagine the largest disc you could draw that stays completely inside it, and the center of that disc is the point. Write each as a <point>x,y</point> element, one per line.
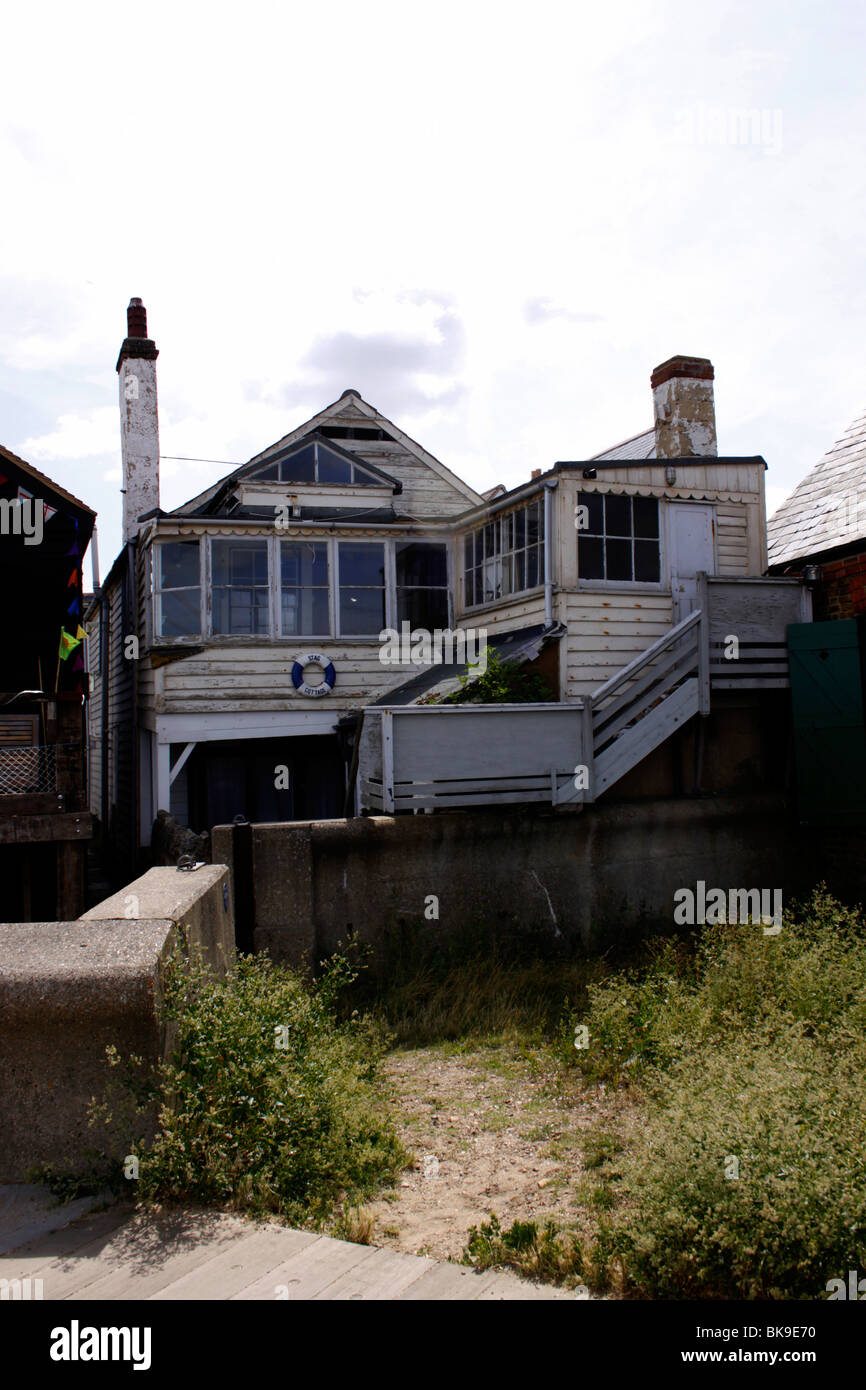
<point>492,219</point>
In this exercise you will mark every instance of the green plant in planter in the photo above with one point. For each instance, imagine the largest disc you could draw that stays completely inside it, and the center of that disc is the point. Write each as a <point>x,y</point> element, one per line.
<point>503,683</point>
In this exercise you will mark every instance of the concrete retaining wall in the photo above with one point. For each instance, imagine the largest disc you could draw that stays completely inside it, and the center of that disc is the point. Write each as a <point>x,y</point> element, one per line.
<point>591,875</point>
<point>68,989</point>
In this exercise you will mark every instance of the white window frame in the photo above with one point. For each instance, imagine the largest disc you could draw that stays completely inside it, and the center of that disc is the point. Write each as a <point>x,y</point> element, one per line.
<point>631,586</point>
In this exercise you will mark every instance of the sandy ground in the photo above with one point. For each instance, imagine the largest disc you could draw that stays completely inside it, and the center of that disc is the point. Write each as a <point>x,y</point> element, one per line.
<point>492,1130</point>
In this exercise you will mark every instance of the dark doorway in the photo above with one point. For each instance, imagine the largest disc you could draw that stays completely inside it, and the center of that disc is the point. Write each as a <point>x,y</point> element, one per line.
<point>248,777</point>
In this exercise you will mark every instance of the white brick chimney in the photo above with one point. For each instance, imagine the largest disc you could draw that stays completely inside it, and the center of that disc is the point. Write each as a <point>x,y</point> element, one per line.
<point>685,412</point>
<point>139,420</point>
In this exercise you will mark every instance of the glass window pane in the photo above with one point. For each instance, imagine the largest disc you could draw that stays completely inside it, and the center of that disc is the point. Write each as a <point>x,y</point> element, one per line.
<point>478,576</point>
<point>590,557</point>
<point>179,561</point>
<point>491,540</point>
<point>468,552</point>
<point>421,563</point>
<point>362,564</point>
<point>305,612</point>
<point>241,611</point>
<point>240,562</point>
<point>469,588</point>
<point>646,516</point>
<point>532,567</point>
<point>617,515</point>
<point>519,570</point>
<point>533,531</point>
<point>618,559</point>
<point>362,612</point>
<point>427,608</point>
<point>646,561</point>
<point>181,612</point>
<point>267,475</point>
<point>519,529</point>
<point>506,531</point>
<point>304,563</point>
<point>594,503</point>
<point>298,467</point>
<point>332,468</point>
<point>506,575</point>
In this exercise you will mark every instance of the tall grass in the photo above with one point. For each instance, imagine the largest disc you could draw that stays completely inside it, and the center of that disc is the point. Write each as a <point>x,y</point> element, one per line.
<point>745,1179</point>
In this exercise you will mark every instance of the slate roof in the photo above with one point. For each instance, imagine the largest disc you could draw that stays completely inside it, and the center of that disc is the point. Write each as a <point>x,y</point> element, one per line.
<point>640,446</point>
<point>828,508</point>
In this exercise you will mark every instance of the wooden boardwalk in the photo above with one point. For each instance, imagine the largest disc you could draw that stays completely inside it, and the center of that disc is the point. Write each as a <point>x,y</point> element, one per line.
<point>122,1254</point>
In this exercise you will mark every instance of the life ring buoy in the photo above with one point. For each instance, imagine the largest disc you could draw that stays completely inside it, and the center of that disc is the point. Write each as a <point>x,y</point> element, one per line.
<point>325,685</point>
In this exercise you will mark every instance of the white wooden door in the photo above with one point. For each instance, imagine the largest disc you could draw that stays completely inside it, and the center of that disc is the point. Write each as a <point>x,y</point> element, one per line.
<point>692,549</point>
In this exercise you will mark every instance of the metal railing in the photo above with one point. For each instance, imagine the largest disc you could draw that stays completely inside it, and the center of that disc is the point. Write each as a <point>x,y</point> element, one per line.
<point>25,771</point>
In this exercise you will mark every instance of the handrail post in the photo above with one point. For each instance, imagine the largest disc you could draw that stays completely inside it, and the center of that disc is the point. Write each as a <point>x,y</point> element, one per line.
<point>587,748</point>
<point>703,645</point>
<point>387,762</point>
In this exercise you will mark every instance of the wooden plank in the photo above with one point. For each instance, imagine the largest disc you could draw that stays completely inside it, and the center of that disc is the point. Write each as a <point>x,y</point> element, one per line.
<point>35,1255</point>
<point>387,760</point>
<point>661,671</point>
<point>223,1273</point>
<point>189,1243</point>
<point>448,1281</point>
<point>24,830</point>
<point>308,1273</point>
<point>639,662</point>
<point>686,666</point>
<point>703,646</point>
<point>37,804</point>
<point>637,743</point>
<point>386,1275</point>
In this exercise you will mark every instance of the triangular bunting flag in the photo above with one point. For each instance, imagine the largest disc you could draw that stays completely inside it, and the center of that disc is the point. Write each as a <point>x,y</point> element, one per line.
<point>73,607</point>
<point>73,579</point>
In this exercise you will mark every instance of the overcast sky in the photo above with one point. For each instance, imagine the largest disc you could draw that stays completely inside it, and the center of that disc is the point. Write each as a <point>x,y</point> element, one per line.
<point>492,219</point>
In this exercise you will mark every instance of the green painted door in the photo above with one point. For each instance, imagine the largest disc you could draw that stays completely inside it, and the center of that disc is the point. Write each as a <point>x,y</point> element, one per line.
<point>827,696</point>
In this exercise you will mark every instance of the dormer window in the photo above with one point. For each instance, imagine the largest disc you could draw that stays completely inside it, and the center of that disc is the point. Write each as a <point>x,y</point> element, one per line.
<point>316,462</point>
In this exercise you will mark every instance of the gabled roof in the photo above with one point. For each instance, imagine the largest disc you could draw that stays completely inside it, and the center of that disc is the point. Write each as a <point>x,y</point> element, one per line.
<point>45,481</point>
<point>350,403</point>
<point>828,508</point>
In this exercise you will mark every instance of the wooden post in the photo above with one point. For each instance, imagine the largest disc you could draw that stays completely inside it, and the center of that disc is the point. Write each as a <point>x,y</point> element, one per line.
<point>587,752</point>
<point>703,645</point>
<point>70,879</point>
<point>388,761</point>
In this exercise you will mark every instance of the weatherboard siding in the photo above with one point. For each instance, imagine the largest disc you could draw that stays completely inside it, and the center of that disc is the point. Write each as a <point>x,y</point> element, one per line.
<point>605,632</point>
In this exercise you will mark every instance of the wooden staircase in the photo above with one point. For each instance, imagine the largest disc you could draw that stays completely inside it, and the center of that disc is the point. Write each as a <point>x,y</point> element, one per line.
<point>643,704</point>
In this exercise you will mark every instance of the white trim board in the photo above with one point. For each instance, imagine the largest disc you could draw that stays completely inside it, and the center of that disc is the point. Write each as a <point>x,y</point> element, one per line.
<point>207,728</point>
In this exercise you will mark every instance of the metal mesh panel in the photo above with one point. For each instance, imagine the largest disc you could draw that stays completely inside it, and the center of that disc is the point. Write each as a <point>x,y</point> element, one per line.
<point>24,771</point>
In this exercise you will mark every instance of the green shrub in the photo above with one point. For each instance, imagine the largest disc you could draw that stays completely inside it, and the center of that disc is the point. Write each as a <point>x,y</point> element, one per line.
<point>267,1102</point>
<point>503,683</point>
<point>546,1254</point>
<point>743,1179</point>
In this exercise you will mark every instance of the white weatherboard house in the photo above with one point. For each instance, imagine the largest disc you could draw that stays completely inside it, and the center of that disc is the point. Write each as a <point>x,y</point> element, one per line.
<point>259,606</point>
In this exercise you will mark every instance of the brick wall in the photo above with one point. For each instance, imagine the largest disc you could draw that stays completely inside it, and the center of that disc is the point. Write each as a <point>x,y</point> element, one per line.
<point>842,591</point>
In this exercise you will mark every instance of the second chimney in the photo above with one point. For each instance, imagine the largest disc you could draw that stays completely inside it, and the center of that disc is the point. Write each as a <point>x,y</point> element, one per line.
<point>685,412</point>
<point>139,420</point>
